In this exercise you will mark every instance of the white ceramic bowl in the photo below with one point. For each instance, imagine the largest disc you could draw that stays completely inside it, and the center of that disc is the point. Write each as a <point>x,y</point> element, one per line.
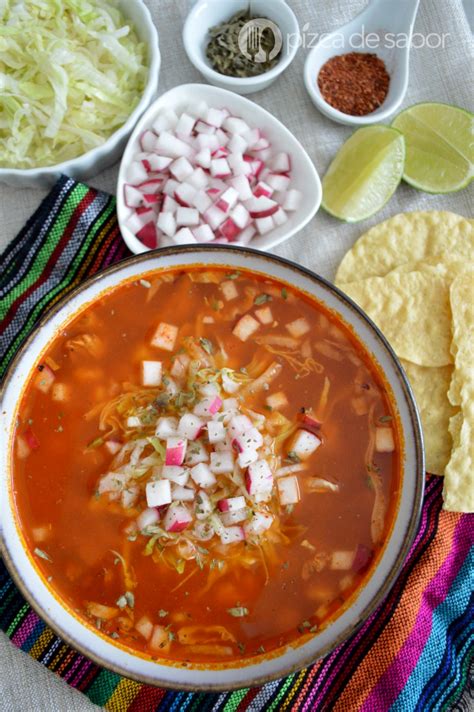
<point>208,13</point>
<point>304,175</point>
<point>94,161</point>
<point>237,674</point>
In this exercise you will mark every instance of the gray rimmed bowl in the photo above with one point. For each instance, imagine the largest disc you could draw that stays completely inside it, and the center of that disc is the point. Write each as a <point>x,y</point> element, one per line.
<point>256,671</point>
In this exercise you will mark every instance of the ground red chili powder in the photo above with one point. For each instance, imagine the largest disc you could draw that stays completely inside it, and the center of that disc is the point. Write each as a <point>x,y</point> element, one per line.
<point>355,83</point>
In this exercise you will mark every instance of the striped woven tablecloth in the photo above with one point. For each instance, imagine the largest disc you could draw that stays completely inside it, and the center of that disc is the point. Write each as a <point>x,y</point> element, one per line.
<point>414,652</point>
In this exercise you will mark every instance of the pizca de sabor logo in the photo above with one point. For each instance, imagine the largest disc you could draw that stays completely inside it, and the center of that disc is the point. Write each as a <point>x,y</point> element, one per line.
<point>250,40</point>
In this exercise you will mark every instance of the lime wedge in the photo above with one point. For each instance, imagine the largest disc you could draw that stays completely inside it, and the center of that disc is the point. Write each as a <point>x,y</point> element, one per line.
<point>439,147</point>
<point>364,174</point>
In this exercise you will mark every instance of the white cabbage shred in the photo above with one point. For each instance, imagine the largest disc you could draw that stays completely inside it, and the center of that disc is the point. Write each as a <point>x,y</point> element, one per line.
<point>71,73</point>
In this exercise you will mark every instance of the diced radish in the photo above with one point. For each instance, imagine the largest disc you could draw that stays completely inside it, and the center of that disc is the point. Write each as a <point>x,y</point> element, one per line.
<point>342,560</point>
<point>184,237</point>
<point>220,152</point>
<point>263,189</point>
<point>133,421</point>
<point>200,110</point>
<point>167,223</point>
<point>135,222</point>
<point>147,518</point>
<point>245,327</point>
<point>201,201</point>
<point>161,163</point>
<point>32,441</point>
<point>229,230</point>
<point>238,166</point>
<point>202,475</point>
<point>190,426</point>
<point>299,327</point>
<point>169,204</point>
<point>232,535</point>
<point>182,494</point>
<point>292,200</point>
<point>177,474</point>
<point>145,627</point>
<point>227,200</point>
<point>185,124</point>
<point>239,424</point>
<point>288,490</point>
<point>203,158</point>
<point>231,504</point>
<point>147,235</point>
<point>252,136</point>
<point>153,185</point>
<point>281,163</point>
<point>177,518</point>
<point>304,444</point>
<point>384,441</point>
<point>237,144</point>
<point>196,454</point>
<point>198,179</point>
<point>60,392</point>
<point>280,217</point>
<point>228,384</point>
<point>158,493</point>
<point>261,207</point>
<point>247,457</point>
<point>184,194</point>
<point>113,446</point>
<point>264,315</point>
<point>214,217</point>
<point>207,407</point>
<point>166,427</point>
<point>221,462</point>
<point>215,117</point>
<point>160,640</point>
<point>202,127</point>
<point>229,289</point>
<point>167,120</point>
<point>246,235</point>
<point>277,400</point>
<point>45,379</point>
<point>234,125</point>
<point>259,523</point>
<point>203,233</point>
<point>259,477</point>
<point>151,199</point>
<point>229,518</point>
<point>222,137</point>
<point>136,173</point>
<point>187,216</point>
<point>240,216</point>
<point>151,373</point>
<point>216,431</point>
<point>148,140</point>
<point>169,145</point>
<point>181,168</point>
<point>242,186</point>
<point>132,196</point>
<point>170,187</point>
<point>264,225</point>
<point>175,451</point>
<point>220,168</point>
<point>165,336</point>
<point>362,558</point>
<point>207,141</point>
<point>278,181</point>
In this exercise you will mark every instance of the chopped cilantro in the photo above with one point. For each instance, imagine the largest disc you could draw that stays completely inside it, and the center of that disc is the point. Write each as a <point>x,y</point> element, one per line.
<point>284,293</point>
<point>162,613</point>
<point>262,298</point>
<point>385,419</point>
<point>241,647</point>
<point>233,275</point>
<point>238,611</point>
<point>261,649</point>
<point>95,443</point>
<point>206,345</point>
<point>293,457</point>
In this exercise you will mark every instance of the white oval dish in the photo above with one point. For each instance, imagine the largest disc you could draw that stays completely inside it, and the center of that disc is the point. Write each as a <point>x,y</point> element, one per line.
<point>237,674</point>
<point>304,176</point>
<point>96,160</point>
<point>208,13</point>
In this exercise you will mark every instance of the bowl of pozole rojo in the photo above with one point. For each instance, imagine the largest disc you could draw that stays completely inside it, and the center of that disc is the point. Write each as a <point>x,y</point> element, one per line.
<point>211,468</point>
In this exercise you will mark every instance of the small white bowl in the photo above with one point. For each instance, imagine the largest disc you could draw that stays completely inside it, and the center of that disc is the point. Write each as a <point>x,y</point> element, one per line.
<point>381,21</point>
<point>94,161</point>
<point>304,176</point>
<point>208,13</point>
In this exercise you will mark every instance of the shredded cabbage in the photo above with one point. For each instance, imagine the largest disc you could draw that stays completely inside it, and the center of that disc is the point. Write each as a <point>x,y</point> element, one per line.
<point>71,73</point>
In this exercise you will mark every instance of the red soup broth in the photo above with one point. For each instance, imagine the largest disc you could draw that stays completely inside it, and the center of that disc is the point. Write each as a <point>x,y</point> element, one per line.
<point>206,465</point>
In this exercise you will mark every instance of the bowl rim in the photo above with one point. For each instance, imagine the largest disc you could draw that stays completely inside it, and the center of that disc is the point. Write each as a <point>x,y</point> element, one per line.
<point>195,56</point>
<point>99,152</point>
<point>403,548</point>
<point>133,243</point>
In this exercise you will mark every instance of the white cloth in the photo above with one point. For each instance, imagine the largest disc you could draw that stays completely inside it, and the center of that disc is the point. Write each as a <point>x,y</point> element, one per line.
<point>436,74</point>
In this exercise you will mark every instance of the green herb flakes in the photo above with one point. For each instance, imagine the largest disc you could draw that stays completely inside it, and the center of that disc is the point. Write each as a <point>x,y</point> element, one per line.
<point>262,299</point>
<point>233,275</point>
<point>207,345</point>
<point>95,443</point>
<point>238,611</point>
<point>43,555</point>
<point>162,613</point>
<point>385,419</point>
<point>284,293</point>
